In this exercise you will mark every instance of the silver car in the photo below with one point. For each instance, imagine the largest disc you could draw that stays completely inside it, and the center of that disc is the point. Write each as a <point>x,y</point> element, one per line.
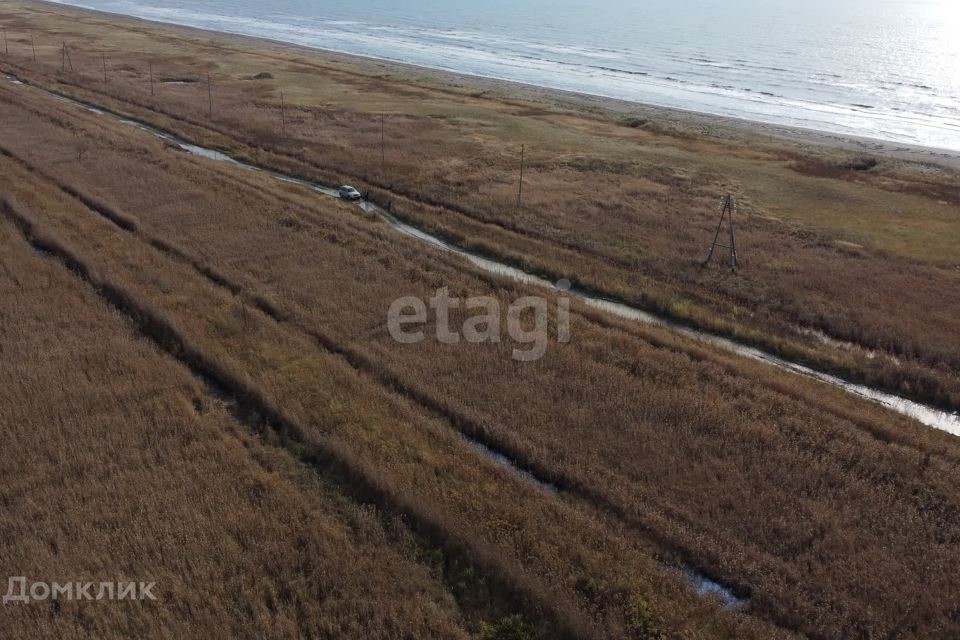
<point>349,193</point>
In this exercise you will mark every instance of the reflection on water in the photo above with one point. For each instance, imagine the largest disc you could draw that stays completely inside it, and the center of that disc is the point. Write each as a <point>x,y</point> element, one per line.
<point>502,461</point>
<point>704,586</point>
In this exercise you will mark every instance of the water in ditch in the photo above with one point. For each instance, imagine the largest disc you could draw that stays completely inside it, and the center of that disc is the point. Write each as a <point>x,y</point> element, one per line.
<point>928,415</point>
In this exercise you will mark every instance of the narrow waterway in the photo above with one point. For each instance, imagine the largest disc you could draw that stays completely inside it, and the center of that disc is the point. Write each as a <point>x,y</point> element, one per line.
<point>928,415</point>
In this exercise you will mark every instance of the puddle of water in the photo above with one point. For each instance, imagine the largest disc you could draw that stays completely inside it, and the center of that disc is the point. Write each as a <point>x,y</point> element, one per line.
<point>936,418</point>
<point>502,461</point>
<point>706,587</point>
<point>206,153</point>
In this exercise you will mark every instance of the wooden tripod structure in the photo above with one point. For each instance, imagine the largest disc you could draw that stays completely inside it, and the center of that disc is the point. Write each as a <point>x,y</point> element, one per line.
<point>728,207</point>
<point>65,59</point>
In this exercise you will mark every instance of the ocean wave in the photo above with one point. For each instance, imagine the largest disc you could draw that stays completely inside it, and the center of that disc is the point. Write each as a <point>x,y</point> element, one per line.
<point>624,71</point>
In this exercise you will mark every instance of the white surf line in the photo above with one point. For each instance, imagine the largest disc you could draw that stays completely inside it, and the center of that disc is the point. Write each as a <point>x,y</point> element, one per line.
<point>927,415</point>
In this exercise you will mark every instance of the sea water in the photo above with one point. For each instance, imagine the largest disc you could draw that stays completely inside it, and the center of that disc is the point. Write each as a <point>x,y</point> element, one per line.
<point>885,69</point>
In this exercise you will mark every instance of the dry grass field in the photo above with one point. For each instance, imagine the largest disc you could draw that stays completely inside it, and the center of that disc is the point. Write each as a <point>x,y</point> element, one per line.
<point>855,271</point>
<point>117,464</point>
<point>505,543</point>
<point>830,517</point>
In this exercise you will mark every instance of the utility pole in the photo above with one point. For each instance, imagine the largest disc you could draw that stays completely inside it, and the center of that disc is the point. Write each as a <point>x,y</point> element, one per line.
<point>209,96</point>
<point>520,189</point>
<point>66,59</point>
<point>103,59</point>
<point>151,78</point>
<point>283,115</point>
<point>383,154</point>
<point>6,47</point>
<point>728,207</point>
<point>33,45</point>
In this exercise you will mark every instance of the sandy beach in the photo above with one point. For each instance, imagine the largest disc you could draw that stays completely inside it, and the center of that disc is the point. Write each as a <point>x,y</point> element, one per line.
<point>708,125</point>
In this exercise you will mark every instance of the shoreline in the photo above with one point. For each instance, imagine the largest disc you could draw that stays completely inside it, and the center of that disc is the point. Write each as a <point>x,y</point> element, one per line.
<point>720,127</point>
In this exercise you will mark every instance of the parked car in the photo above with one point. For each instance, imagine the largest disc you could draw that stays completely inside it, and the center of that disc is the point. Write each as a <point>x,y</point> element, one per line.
<point>349,193</point>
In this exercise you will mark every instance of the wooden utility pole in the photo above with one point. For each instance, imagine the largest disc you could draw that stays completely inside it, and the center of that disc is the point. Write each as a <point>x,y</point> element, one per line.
<point>383,153</point>
<point>520,189</point>
<point>103,59</point>
<point>33,45</point>
<point>209,96</point>
<point>728,207</point>
<point>151,78</point>
<point>6,47</point>
<point>283,115</point>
